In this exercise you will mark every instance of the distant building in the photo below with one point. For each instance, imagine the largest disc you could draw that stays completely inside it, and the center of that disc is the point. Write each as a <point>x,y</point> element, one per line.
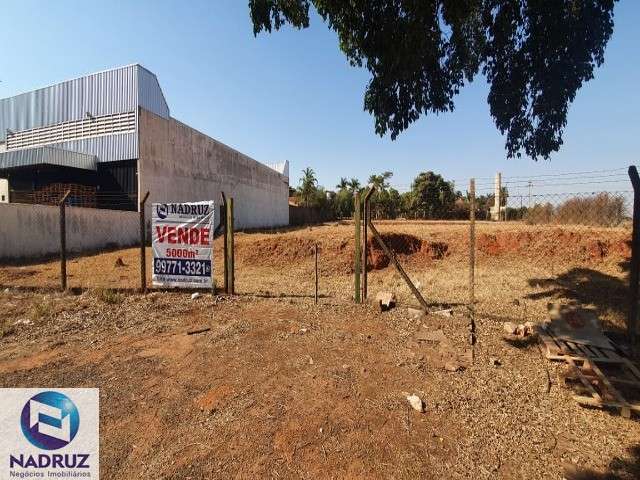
<point>109,138</point>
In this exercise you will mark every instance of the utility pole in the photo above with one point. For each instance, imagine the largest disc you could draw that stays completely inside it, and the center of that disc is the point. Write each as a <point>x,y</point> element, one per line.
<point>530,185</point>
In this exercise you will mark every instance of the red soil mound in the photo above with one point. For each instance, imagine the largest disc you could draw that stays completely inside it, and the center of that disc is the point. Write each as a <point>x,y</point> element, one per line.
<point>337,251</point>
<point>404,245</point>
<point>576,246</point>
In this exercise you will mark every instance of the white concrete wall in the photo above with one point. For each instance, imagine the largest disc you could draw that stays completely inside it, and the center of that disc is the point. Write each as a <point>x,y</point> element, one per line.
<point>34,230</point>
<point>180,164</point>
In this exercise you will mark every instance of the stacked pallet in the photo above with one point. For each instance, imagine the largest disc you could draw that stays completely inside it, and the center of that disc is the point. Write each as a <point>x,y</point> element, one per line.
<point>598,372</point>
<point>80,195</point>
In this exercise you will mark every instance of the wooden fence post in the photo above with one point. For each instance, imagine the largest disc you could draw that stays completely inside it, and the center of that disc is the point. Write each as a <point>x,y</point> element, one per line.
<point>316,255</point>
<point>472,260</point>
<point>143,245</point>
<point>63,242</point>
<point>223,220</point>
<point>357,267</point>
<point>403,274</point>
<point>365,246</point>
<point>229,245</point>
<point>634,265</point>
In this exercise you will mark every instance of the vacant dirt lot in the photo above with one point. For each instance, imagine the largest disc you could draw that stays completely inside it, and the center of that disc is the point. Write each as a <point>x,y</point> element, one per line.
<point>520,268</point>
<point>281,388</point>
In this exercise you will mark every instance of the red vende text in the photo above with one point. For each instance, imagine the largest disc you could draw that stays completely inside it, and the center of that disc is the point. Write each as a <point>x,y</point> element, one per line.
<point>186,236</point>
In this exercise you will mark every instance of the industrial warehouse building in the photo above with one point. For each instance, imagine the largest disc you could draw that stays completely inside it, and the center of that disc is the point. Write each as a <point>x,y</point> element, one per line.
<point>109,138</point>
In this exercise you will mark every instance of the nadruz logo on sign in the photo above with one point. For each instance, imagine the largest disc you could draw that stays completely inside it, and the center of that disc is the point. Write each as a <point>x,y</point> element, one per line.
<point>193,210</point>
<point>50,421</point>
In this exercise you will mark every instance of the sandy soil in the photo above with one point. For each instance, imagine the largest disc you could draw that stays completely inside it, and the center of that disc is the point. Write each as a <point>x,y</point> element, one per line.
<point>519,268</point>
<point>281,388</point>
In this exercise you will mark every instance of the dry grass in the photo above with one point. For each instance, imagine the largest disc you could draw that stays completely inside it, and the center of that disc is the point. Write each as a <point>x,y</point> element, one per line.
<point>520,268</point>
<point>281,388</point>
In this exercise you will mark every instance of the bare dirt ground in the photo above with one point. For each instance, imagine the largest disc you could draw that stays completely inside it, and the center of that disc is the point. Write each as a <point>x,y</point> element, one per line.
<point>281,388</point>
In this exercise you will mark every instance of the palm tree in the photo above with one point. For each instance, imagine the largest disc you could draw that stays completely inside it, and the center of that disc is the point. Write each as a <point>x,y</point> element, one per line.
<point>380,183</point>
<point>307,185</point>
<point>354,185</point>
<point>343,185</point>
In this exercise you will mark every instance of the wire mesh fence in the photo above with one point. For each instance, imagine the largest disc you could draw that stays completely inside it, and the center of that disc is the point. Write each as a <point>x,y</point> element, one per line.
<point>556,247</point>
<point>79,196</point>
<point>38,227</point>
<point>539,247</point>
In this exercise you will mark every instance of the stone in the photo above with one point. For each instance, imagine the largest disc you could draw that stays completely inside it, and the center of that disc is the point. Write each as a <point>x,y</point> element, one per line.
<point>386,300</point>
<point>494,362</point>
<point>416,403</point>
<point>509,328</point>
<point>195,295</point>
<point>451,366</point>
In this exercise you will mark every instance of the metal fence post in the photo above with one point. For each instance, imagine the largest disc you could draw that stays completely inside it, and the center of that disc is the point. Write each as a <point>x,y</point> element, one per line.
<point>229,243</point>
<point>634,265</point>
<point>472,260</point>
<point>63,242</point>
<point>357,268</point>
<point>143,245</point>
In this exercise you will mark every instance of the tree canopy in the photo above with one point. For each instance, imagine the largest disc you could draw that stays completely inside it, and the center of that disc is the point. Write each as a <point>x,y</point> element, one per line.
<point>535,55</point>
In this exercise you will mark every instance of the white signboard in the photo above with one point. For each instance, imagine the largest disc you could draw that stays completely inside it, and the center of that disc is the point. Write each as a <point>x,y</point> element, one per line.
<point>183,244</point>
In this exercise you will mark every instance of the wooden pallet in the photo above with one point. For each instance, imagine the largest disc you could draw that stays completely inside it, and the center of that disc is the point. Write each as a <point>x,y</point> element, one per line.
<point>586,361</point>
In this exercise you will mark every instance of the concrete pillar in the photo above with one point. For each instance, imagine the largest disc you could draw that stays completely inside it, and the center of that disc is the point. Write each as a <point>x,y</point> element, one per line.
<point>497,195</point>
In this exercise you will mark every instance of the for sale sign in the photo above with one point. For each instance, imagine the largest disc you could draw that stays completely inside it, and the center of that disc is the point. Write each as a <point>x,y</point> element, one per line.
<point>182,244</point>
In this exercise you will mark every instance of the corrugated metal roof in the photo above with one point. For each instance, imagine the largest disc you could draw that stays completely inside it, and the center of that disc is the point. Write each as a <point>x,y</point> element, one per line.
<point>119,90</point>
<point>47,155</point>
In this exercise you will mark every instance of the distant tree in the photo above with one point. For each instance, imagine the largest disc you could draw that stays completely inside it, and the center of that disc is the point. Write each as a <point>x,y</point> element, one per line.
<point>343,203</point>
<point>343,185</point>
<point>534,54</point>
<point>406,205</point>
<point>308,189</point>
<point>432,196</point>
<point>354,185</point>
<point>382,204</point>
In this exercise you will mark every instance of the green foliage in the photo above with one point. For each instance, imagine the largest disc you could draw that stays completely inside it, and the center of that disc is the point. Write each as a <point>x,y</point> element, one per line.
<point>343,200</point>
<point>385,201</point>
<point>534,54</point>
<point>432,196</point>
<point>308,191</point>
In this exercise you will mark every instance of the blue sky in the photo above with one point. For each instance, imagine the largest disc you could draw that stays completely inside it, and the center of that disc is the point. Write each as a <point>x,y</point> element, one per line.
<point>292,96</point>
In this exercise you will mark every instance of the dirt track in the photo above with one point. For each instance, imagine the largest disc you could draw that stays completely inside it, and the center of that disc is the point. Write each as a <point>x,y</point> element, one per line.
<point>281,388</point>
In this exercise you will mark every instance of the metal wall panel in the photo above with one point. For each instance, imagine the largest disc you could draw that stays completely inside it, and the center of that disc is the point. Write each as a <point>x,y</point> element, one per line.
<point>150,96</point>
<point>47,155</point>
<point>113,91</point>
<point>108,148</point>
